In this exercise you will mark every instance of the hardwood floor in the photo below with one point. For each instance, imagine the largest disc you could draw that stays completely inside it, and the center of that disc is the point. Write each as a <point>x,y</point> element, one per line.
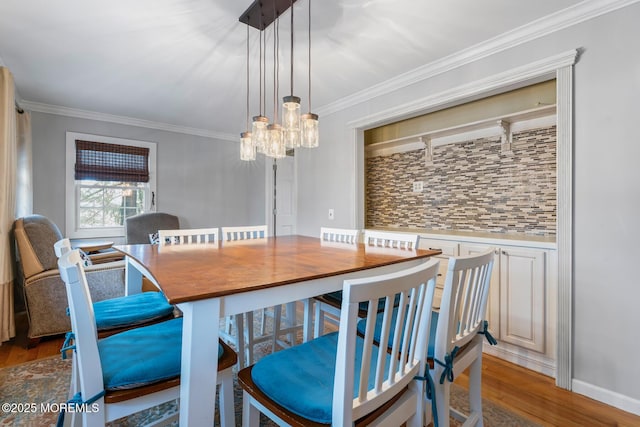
<point>532,395</point>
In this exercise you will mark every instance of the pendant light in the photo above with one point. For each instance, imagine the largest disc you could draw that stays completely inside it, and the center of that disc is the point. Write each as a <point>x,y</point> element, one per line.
<point>247,148</point>
<point>309,121</point>
<point>275,144</point>
<point>291,107</point>
<point>259,128</point>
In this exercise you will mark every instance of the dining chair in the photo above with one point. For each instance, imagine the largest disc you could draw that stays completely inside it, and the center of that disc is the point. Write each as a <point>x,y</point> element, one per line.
<point>121,313</point>
<point>456,335</point>
<point>132,370</point>
<point>459,335</point>
<point>185,236</point>
<point>343,378</point>
<point>332,302</point>
<point>236,331</point>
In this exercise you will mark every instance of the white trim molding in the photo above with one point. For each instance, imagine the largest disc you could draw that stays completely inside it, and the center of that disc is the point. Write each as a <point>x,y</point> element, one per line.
<point>559,67</point>
<point>546,25</point>
<point>122,120</point>
<point>609,397</point>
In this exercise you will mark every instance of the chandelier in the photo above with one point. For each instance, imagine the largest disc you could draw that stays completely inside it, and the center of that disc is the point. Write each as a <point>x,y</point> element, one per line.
<point>296,130</point>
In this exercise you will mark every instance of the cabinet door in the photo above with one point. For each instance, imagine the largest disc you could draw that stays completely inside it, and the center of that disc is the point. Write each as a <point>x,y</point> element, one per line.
<point>493,302</point>
<point>522,297</point>
<point>448,248</point>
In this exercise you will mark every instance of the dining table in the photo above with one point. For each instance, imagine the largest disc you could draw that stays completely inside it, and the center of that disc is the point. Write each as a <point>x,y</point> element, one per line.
<point>210,281</point>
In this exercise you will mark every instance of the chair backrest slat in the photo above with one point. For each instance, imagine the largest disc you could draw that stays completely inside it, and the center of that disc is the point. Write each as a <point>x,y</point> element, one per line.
<point>391,240</point>
<point>382,372</point>
<point>340,235</point>
<point>464,301</point>
<point>185,236</point>
<point>249,232</point>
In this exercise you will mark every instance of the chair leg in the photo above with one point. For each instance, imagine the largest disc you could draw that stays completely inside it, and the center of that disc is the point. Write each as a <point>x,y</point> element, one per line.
<point>475,389</point>
<point>226,406</point>
<point>263,320</point>
<point>442,401</point>
<point>250,339</point>
<point>240,343</point>
<point>277,325</point>
<point>308,320</point>
<point>250,414</point>
<point>291,321</point>
<point>318,324</point>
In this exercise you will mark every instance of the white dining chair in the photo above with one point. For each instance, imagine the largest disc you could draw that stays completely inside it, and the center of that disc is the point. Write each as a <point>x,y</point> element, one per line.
<point>460,332</point>
<point>241,333</point>
<point>119,314</point>
<point>186,236</point>
<point>331,303</point>
<point>132,370</point>
<point>343,377</point>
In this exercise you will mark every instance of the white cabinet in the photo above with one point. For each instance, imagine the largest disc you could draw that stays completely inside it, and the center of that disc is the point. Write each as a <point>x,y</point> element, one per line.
<point>521,307</point>
<point>516,306</point>
<point>522,297</point>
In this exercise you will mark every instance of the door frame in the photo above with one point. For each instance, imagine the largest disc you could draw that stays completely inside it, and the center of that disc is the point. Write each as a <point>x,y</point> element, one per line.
<point>560,67</point>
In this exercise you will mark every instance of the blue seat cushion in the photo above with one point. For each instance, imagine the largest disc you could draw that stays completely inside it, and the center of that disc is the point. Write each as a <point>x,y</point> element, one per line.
<point>301,378</point>
<point>131,310</point>
<point>142,356</point>
<point>364,306</point>
<point>362,325</point>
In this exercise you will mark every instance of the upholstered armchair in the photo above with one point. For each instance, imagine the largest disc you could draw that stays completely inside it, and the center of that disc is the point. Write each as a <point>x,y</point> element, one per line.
<point>139,227</point>
<point>43,289</point>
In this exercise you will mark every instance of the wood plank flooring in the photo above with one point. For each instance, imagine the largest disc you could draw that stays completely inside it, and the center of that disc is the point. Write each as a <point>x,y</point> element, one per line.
<point>532,395</point>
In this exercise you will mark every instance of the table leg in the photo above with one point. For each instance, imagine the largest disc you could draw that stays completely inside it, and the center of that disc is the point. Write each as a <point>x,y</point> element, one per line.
<point>199,362</point>
<point>133,278</point>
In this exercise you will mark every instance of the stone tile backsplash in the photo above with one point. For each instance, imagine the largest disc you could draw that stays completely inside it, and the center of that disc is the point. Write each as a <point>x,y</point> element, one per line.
<point>469,186</point>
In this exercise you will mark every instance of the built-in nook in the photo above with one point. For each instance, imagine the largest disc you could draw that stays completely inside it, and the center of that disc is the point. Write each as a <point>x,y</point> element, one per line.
<point>485,166</point>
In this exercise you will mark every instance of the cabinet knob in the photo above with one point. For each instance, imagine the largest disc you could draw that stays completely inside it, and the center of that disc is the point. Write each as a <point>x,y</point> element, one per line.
<point>435,249</point>
<point>504,253</point>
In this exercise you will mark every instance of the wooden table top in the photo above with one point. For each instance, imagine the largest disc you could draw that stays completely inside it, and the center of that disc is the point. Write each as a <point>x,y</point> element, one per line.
<point>193,272</point>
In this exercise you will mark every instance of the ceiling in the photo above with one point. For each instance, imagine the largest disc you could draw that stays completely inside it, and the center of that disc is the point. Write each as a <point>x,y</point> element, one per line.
<point>183,62</point>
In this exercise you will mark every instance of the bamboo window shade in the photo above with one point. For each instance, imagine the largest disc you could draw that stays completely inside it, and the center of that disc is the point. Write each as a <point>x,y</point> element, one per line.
<point>100,161</point>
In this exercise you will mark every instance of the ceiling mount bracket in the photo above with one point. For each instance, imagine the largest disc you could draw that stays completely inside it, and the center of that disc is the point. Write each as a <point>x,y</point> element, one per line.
<point>262,13</point>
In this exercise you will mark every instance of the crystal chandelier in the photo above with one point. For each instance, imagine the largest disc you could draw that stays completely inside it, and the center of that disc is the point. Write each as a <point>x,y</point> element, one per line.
<point>295,130</point>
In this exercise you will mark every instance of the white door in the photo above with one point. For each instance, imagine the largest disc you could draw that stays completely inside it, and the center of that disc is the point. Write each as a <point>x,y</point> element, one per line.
<point>284,194</point>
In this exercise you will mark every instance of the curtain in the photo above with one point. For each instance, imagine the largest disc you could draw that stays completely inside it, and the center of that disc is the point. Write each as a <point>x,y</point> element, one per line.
<point>24,177</point>
<point>8,162</point>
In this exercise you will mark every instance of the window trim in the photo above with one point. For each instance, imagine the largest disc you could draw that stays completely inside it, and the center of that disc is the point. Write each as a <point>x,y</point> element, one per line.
<point>71,208</point>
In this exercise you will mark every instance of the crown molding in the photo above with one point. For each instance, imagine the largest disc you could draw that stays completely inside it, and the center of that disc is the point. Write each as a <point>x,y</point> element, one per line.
<point>557,21</point>
<point>534,72</point>
<point>103,117</point>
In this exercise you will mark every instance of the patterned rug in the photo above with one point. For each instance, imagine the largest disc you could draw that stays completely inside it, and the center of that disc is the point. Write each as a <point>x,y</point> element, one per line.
<point>45,383</point>
<point>37,388</point>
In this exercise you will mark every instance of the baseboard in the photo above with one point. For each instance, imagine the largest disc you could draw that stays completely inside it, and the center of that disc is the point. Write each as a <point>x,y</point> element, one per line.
<point>609,397</point>
<point>526,358</point>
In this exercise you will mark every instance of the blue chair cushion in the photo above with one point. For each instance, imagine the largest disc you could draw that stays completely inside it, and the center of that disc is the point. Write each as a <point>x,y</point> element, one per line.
<point>142,356</point>
<point>364,306</point>
<point>131,310</point>
<point>301,378</point>
<point>362,326</point>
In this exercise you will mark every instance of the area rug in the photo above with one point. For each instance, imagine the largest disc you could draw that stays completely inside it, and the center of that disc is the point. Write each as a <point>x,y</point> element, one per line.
<point>44,383</point>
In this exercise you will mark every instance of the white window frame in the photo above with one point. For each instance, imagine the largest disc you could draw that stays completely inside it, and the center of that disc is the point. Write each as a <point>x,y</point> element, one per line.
<point>72,193</point>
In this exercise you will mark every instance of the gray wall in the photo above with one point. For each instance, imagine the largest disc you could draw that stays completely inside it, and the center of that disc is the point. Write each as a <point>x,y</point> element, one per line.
<point>606,183</point>
<point>201,180</point>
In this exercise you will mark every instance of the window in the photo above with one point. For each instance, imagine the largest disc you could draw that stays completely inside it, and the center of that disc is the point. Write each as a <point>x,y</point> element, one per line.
<point>108,180</point>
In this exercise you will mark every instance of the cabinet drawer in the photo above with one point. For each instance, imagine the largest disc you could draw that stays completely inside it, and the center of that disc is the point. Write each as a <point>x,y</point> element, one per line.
<point>447,247</point>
